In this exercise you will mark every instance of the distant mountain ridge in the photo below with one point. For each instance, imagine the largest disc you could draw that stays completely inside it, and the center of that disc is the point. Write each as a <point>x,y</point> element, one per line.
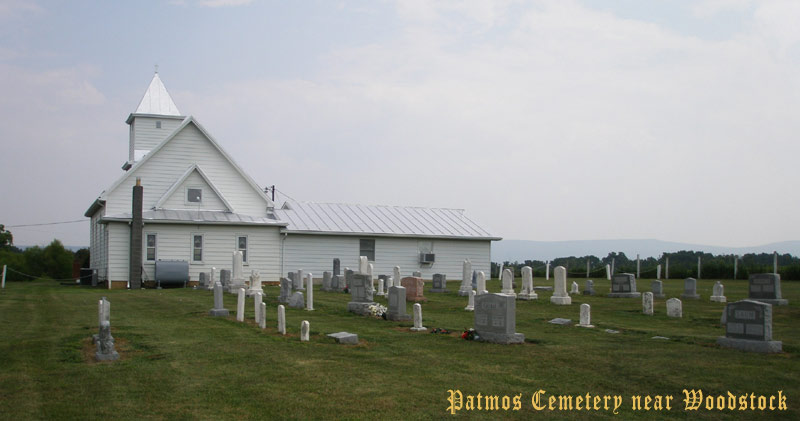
<point>521,250</point>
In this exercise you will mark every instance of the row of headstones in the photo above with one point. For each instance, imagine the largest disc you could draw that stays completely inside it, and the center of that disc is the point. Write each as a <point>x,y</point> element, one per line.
<point>231,280</point>
<point>260,310</point>
<point>748,323</point>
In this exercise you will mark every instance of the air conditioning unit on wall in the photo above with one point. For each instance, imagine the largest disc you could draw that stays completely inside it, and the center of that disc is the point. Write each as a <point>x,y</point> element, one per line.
<point>427,258</point>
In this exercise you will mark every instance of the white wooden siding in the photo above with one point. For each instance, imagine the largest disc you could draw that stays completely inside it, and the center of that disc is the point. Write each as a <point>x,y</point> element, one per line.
<point>315,254</point>
<point>119,238</point>
<point>97,244</point>
<point>210,200</point>
<point>160,171</point>
<point>219,242</point>
<point>145,136</point>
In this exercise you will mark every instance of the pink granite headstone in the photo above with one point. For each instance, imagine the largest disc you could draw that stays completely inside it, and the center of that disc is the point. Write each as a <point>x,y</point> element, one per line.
<point>413,286</point>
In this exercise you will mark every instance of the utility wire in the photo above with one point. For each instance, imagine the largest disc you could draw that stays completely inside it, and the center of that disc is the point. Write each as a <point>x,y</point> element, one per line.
<point>46,223</point>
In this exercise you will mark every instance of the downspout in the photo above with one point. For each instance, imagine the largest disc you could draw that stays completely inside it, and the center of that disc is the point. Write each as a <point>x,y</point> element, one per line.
<point>283,241</point>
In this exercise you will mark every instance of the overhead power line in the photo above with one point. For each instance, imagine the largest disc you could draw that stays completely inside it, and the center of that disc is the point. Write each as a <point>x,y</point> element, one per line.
<point>46,223</point>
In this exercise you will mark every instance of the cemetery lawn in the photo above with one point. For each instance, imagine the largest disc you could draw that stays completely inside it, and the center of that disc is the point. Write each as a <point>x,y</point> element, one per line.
<point>177,362</point>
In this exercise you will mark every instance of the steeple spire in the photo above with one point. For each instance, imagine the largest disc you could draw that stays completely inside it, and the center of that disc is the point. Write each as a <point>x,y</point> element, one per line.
<point>156,99</point>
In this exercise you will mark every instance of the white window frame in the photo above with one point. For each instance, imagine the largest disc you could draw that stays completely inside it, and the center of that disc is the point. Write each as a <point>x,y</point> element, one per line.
<point>155,248</point>
<point>192,248</point>
<point>186,195</point>
<point>246,249</point>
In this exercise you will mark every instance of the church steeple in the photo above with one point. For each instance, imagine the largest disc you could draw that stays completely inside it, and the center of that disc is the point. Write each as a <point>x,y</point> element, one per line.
<point>154,119</point>
<point>156,100</point>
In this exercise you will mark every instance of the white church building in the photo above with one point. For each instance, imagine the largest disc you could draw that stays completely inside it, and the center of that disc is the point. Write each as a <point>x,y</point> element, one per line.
<point>198,206</point>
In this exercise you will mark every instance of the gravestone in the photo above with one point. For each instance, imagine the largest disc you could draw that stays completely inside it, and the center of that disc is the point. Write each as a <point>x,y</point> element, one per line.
<point>766,287</point>
<point>237,277</point>
<point>658,272</point>
<point>574,290</point>
<point>439,283</point>
<point>647,303</point>
<point>286,290</point>
<point>257,299</point>
<point>299,279</point>
<point>674,308</point>
<point>291,276</point>
<point>210,282</point>
<point>240,306</point>
<point>389,283</point>
<point>326,281</point>
<point>396,276</point>
<point>360,294</point>
<point>418,327</point>
<point>658,289</point>
<point>296,300</point>
<point>482,283</point>
<point>348,278</point>
<point>219,309</point>
<point>527,292</point>
<point>623,285</point>
<point>560,296</point>
<point>336,266</point>
<point>344,338</point>
<point>262,323</point>
<point>255,284</point>
<point>305,329</point>
<point>589,289</point>
<point>281,319</point>
<point>310,292</point>
<point>203,281</point>
<point>718,293</point>
<point>508,283</point>
<point>363,265</point>
<point>416,274</point>
<point>749,327</point>
<point>380,287</point>
<point>103,310</point>
<point>586,316</point>
<point>690,289</point>
<point>471,303</point>
<point>608,272</point>
<point>212,278</point>
<point>414,288</point>
<point>474,279</point>
<point>495,319</point>
<point>371,277</point>
<point>224,278</point>
<point>105,344</point>
<point>397,304</point>
<point>385,282</point>
<point>466,273</point>
<point>336,281</point>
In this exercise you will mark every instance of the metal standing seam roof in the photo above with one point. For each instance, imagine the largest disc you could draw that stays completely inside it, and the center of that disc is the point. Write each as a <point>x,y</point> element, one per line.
<point>196,217</point>
<point>156,100</point>
<point>341,218</point>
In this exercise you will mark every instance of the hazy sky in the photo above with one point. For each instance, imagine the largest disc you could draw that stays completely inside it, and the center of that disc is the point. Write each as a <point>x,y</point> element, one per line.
<point>545,120</point>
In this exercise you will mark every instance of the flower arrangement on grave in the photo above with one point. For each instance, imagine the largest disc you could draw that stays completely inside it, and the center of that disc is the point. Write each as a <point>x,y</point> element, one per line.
<point>377,310</point>
<point>469,335</point>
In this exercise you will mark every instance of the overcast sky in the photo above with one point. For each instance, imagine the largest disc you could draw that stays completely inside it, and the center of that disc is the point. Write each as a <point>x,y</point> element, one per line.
<point>545,120</point>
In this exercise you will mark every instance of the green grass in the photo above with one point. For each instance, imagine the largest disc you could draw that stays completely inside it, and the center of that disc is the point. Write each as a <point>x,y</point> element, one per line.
<point>179,363</point>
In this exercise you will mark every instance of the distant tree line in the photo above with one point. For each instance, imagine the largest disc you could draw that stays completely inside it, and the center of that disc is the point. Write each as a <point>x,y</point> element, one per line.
<point>53,261</point>
<point>682,264</point>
